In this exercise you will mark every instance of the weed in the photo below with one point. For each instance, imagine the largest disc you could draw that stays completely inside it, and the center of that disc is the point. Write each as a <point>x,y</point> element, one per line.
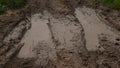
<point>13,3</point>
<point>115,4</point>
<point>2,9</point>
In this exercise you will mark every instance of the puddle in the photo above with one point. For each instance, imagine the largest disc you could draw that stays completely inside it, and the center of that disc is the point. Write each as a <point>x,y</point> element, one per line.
<point>68,33</point>
<point>49,35</point>
<point>38,33</point>
<point>93,27</point>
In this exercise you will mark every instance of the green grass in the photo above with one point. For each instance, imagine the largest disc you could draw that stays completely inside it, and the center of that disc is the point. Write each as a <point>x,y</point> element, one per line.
<point>115,4</point>
<point>11,4</point>
<point>2,9</point>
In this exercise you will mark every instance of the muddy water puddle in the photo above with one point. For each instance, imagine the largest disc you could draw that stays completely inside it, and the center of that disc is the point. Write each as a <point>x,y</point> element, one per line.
<point>93,26</point>
<point>38,33</point>
<point>48,35</point>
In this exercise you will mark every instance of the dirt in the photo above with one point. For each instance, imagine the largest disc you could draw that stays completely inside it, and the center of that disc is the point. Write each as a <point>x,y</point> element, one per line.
<point>60,34</point>
<point>46,46</point>
<point>94,25</point>
<point>112,15</point>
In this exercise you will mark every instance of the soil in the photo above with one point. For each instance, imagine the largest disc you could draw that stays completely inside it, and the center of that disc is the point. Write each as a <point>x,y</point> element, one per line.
<point>60,34</point>
<point>112,15</point>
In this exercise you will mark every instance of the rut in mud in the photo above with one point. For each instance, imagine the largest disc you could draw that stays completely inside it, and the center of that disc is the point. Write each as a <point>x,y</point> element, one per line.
<point>49,36</point>
<point>60,41</point>
<point>94,26</point>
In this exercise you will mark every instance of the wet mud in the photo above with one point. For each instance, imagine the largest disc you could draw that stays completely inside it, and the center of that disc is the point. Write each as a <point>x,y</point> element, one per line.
<point>81,39</point>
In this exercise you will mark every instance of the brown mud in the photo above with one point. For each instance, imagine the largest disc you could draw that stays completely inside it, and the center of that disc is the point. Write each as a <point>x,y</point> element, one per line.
<point>60,34</point>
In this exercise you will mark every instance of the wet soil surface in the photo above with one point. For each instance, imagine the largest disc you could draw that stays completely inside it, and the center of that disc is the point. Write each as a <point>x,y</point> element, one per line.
<point>81,38</point>
<point>94,25</point>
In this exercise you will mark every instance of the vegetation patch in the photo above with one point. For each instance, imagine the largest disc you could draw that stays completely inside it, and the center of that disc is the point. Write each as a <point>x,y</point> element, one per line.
<point>2,9</point>
<point>115,4</point>
<point>11,4</point>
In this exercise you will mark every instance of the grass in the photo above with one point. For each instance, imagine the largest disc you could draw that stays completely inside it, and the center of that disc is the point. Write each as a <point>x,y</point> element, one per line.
<point>115,4</point>
<point>11,4</point>
<point>2,9</point>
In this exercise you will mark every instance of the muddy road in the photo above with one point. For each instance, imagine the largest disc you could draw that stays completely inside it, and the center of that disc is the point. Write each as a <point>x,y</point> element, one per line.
<point>45,40</point>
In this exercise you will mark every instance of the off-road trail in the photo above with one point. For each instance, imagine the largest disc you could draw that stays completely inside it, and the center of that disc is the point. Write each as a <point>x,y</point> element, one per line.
<point>56,41</point>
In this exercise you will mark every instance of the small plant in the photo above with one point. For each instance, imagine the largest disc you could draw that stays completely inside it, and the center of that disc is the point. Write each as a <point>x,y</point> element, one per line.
<point>19,3</point>
<point>115,4</point>
<point>13,3</point>
<point>2,9</point>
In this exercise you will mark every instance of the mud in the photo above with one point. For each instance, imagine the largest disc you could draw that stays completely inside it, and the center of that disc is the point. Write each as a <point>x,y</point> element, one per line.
<point>61,36</point>
<point>94,26</point>
<point>10,46</point>
<point>54,35</point>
